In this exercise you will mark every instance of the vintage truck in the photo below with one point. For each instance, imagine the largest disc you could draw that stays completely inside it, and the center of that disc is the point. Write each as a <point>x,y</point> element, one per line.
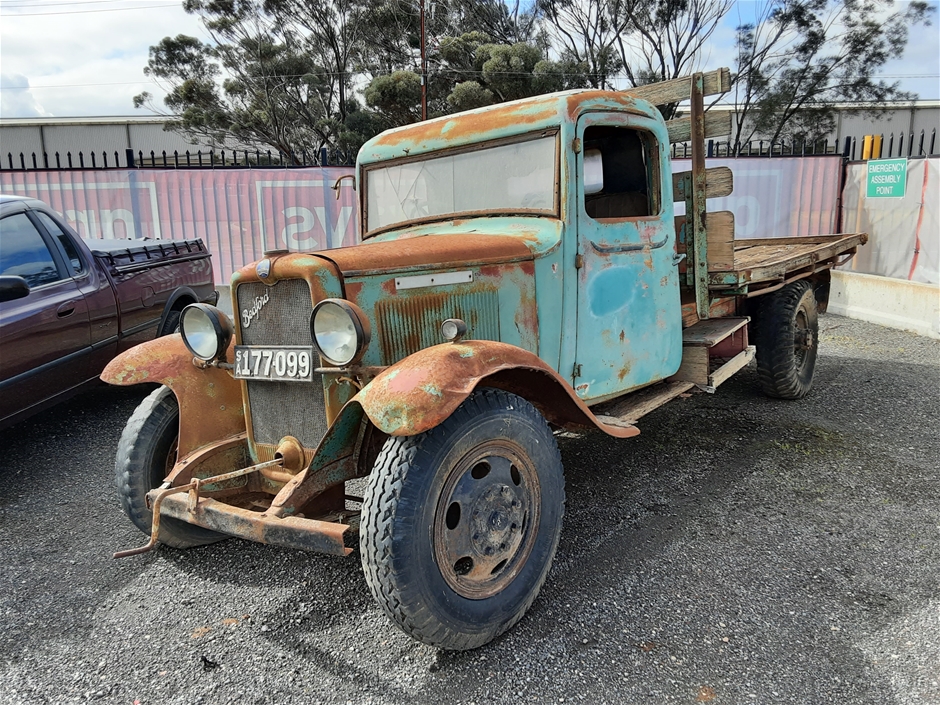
<point>68,306</point>
<point>521,271</point>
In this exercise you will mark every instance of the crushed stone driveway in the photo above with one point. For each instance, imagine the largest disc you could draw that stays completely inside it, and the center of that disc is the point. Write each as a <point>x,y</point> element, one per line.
<point>740,550</point>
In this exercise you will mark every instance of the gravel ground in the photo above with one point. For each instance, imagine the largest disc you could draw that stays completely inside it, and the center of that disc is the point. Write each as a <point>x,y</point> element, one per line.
<point>740,550</point>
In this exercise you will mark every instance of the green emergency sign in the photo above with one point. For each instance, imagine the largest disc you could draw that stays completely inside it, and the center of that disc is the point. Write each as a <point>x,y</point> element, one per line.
<point>886,178</point>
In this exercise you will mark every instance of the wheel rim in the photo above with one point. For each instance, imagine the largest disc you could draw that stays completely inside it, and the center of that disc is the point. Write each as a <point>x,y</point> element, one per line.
<point>803,338</point>
<point>486,519</point>
<point>168,464</point>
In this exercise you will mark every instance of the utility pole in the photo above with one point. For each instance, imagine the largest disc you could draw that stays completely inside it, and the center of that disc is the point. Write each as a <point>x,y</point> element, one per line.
<point>424,70</point>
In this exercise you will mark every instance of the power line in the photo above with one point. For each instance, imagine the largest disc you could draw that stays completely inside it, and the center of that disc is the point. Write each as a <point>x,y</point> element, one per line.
<point>85,12</point>
<point>39,5</point>
<point>383,73</point>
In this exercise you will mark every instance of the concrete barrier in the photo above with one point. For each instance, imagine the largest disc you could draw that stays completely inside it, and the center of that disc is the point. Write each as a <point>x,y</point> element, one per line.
<point>894,303</point>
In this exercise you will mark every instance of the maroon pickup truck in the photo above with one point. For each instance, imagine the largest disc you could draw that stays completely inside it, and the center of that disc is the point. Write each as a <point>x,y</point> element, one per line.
<point>66,310</point>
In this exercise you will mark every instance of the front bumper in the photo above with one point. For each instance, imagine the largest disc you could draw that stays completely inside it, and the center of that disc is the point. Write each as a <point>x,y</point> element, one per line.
<point>286,531</point>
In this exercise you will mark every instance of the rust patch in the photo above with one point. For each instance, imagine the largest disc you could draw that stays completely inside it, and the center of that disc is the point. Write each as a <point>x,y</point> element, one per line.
<point>617,98</point>
<point>210,400</point>
<point>407,381</point>
<point>621,336</point>
<point>422,390</point>
<point>455,128</point>
<point>353,290</point>
<point>437,250</point>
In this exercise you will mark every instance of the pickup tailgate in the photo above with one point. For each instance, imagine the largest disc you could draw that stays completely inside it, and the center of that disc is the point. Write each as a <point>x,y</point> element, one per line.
<point>147,275</point>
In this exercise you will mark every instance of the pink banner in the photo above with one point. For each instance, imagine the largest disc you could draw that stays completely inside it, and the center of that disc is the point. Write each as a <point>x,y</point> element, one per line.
<point>778,196</point>
<point>239,213</point>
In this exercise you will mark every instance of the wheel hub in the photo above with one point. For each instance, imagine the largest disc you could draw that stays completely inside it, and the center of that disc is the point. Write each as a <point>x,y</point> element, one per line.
<point>495,520</point>
<point>486,519</point>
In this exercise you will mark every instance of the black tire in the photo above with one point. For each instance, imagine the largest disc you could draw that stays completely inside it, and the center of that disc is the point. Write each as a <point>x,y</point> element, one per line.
<point>146,454</point>
<point>787,341</point>
<point>171,323</point>
<point>486,485</point>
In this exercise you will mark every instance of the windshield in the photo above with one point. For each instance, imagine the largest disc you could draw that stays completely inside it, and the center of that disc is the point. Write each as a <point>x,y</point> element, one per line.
<point>505,178</point>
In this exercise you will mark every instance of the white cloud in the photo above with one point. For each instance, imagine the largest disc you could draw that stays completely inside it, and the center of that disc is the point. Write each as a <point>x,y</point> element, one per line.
<point>87,63</point>
<point>16,99</point>
<point>91,62</point>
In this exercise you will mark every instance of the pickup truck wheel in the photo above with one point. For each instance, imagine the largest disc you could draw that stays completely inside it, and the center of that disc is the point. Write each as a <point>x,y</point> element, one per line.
<point>146,454</point>
<point>460,523</point>
<point>787,341</point>
<point>171,324</point>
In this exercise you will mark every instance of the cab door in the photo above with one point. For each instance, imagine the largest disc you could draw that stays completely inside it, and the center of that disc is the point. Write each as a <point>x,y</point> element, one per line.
<point>629,329</point>
<point>44,336</point>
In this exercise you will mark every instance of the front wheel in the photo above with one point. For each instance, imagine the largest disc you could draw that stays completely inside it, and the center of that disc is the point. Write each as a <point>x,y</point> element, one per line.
<point>787,341</point>
<point>460,523</point>
<point>146,454</point>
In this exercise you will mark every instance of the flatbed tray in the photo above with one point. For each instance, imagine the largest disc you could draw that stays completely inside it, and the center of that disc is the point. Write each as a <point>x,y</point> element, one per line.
<point>774,259</point>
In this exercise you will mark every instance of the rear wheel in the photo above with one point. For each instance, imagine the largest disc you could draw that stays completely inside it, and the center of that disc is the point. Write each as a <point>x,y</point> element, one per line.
<point>787,341</point>
<point>460,524</point>
<point>146,455</point>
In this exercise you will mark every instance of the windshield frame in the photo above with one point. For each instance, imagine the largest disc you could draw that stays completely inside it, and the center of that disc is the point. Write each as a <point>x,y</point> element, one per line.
<point>554,212</point>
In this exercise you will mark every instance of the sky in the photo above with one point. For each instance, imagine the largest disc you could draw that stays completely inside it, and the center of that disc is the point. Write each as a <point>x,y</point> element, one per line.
<point>77,58</point>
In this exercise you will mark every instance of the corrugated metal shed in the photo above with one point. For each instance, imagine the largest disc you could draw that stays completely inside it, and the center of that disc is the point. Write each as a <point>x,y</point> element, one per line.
<point>88,134</point>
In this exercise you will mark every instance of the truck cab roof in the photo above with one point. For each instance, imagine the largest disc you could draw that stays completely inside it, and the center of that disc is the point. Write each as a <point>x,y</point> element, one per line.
<point>499,121</point>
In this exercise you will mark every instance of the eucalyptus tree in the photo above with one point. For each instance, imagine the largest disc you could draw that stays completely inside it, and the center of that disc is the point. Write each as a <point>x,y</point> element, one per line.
<point>800,57</point>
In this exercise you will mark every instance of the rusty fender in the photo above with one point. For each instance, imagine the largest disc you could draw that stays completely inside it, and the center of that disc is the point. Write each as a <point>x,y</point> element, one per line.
<point>419,392</point>
<point>210,399</point>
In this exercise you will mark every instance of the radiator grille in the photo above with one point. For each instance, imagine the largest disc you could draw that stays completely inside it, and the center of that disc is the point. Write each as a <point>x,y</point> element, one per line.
<point>281,409</point>
<point>408,325</point>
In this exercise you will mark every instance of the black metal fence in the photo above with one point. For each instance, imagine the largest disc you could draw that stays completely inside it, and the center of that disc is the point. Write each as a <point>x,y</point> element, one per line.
<point>198,159</point>
<point>906,145</point>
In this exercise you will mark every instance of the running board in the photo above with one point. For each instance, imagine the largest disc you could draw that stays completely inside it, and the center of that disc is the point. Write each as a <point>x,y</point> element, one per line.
<point>712,351</point>
<point>625,412</point>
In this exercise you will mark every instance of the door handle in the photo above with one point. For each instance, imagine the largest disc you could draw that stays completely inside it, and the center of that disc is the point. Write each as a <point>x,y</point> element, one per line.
<point>66,309</point>
<point>677,258</point>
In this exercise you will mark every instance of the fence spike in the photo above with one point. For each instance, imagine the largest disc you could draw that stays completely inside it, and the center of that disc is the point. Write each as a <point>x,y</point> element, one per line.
<point>34,161</point>
<point>45,160</point>
<point>933,139</point>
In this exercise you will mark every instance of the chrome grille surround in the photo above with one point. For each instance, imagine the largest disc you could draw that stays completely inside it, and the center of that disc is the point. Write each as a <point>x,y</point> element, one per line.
<point>279,409</point>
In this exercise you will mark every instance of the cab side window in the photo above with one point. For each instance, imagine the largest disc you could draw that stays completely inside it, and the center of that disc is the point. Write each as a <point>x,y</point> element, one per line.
<point>630,185</point>
<point>71,255</point>
<point>24,253</point>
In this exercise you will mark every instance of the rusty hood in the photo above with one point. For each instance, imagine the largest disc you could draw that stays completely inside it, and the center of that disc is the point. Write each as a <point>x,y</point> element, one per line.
<point>455,243</point>
<point>427,252</point>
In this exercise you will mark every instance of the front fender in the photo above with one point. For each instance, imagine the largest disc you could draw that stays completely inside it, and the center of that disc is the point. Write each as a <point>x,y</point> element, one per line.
<point>419,392</point>
<point>210,400</point>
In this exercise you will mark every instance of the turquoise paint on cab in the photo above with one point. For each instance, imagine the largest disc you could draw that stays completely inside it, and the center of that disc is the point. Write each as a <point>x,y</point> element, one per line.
<point>629,325</point>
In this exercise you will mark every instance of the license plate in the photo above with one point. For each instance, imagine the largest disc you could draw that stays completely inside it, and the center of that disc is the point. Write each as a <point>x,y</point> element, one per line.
<point>279,363</point>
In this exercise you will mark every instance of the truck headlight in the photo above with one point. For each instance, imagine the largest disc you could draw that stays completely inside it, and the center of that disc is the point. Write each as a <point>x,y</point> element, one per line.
<point>206,331</point>
<point>340,331</point>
